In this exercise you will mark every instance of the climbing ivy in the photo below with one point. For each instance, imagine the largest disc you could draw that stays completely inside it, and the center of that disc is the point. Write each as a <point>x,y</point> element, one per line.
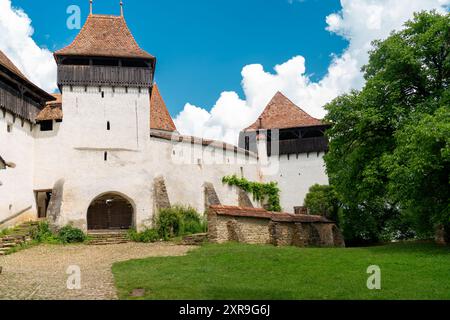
<point>261,191</point>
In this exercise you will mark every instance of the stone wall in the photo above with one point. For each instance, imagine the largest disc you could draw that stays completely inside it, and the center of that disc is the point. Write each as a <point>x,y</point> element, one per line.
<point>442,235</point>
<point>257,226</point>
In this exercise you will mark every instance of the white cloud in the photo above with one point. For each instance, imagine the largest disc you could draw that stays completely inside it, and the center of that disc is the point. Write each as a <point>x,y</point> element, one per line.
<point>359,21</point>
<point>16,42</point>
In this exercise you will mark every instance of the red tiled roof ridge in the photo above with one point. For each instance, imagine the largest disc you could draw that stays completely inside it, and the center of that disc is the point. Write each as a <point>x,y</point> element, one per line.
<point>89,35</point>
<point>264,214</point>
<point>174,136</point>
<point>282,113</point>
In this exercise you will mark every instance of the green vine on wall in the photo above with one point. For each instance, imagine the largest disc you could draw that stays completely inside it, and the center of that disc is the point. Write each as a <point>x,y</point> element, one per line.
<point>261,191</point>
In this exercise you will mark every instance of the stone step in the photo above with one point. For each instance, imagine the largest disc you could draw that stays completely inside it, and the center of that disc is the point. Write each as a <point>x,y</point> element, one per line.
<point>8,245</point>
<point>106,243</point>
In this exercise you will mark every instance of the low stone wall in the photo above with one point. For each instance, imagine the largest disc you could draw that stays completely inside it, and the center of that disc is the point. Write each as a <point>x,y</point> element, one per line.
<point>257,226</point>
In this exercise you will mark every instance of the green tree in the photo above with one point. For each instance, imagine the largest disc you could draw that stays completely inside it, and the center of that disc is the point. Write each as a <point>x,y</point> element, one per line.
<point>374,161</point>
<point>322,200</point>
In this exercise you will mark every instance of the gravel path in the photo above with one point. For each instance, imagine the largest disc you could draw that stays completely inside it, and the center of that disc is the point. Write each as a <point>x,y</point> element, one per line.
<point>40,272</point>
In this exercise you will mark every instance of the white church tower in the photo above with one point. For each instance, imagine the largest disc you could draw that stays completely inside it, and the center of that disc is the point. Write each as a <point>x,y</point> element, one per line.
<point>102,143</point>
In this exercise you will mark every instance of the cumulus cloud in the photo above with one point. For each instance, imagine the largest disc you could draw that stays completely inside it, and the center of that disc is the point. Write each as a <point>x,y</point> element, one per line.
<point>359,21</point>
<point>17,43</point>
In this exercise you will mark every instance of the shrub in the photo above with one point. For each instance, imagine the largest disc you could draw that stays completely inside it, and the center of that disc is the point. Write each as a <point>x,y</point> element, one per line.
<point>69,234</point>
<point>147,236</point>
<point>168,223</point>
<point>323,200</point>
<point>43,234</point>
<point>179,221</point>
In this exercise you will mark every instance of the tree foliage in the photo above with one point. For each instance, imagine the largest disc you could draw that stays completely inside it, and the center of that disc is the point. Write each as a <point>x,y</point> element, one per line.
<point>322,200</point>
<point>389,144</point>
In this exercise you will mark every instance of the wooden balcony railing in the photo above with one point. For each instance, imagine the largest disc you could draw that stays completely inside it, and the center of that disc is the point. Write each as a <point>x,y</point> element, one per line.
<point>21,106</point>
<point>297,146</point>
<point>104,75</point>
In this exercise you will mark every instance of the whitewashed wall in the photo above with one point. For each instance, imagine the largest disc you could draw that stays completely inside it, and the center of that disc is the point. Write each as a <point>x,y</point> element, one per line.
<point>75,149</point>
<point>16,191</point>
<point>295,175</point>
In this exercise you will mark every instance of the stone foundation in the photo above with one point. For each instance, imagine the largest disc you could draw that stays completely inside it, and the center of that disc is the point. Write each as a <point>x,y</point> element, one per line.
<point>257,226</point>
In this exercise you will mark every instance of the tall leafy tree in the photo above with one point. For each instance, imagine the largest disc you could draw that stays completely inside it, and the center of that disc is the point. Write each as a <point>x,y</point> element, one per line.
<point>389,142</point>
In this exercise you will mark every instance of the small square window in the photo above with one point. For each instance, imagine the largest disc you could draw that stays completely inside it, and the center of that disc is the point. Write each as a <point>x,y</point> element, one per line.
<point>47,125</point>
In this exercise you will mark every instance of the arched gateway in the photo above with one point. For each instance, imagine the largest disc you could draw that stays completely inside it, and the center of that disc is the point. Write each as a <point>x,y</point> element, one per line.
<point>110,212</point>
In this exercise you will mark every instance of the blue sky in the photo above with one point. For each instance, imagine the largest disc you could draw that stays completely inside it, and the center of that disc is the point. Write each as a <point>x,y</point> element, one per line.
<point>202,45</point>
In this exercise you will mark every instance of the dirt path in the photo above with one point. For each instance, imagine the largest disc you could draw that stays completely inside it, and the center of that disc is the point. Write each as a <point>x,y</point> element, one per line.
<point>40,272</point>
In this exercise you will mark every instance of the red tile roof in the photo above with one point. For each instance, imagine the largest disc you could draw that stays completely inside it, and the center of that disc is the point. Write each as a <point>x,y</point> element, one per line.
<point>263,214</point>
<point>160,118</point>
<point>173,136</point>
<point>11,67</point>
<point>105,36</point>
<point>5,62</point>
<point>282,113</point>
<point>52,110</point>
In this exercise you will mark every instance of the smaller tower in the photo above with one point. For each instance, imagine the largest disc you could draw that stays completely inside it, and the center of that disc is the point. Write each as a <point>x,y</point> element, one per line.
<point>121,8</point>
<point>90,6</point>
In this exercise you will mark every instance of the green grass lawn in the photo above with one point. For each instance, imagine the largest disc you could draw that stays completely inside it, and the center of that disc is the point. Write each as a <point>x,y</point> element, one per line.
<point>237,271</point>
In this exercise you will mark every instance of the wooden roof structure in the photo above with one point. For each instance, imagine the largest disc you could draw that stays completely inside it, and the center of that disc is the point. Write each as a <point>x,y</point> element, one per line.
<point>19,95</point>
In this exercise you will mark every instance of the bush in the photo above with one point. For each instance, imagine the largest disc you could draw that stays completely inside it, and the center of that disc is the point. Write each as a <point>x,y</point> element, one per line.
<point>147,236</point>
<point>322,200</point>
<point>179,221</point>
<point>43,234</point>
<point>69,234</point>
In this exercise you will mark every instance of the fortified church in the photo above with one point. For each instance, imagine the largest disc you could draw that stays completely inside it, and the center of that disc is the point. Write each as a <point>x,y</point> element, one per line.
<point>104,152</point>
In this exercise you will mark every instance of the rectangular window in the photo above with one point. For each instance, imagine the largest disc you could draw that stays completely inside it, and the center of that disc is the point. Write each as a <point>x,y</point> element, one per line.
<point>247,143</point>
<point>46,125</point>
<point>9,127</point>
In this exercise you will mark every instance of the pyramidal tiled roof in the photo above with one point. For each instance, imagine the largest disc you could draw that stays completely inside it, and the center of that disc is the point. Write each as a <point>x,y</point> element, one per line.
<point>160,118</point>
<point>282,113</point>
<point>105,36</point>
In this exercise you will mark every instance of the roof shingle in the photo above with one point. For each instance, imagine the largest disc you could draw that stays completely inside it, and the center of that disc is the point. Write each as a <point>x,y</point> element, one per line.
<point>5,62</point>
<point>105,36</point>
<point>160,118</point>
<point>263,214</point>
<point>282,113</point>
<point>52,110</point>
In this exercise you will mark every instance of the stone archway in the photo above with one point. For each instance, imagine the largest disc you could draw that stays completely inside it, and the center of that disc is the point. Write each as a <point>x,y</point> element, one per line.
<point>110,212</point>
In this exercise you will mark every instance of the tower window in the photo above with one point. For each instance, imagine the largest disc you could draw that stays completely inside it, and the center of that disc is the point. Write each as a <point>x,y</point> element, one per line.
<point>108,126</point>
<point>9,127</point>
<point>105,156</point>
<point>247,143</point>
<point>46,125</point>
<point>103,94</point>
